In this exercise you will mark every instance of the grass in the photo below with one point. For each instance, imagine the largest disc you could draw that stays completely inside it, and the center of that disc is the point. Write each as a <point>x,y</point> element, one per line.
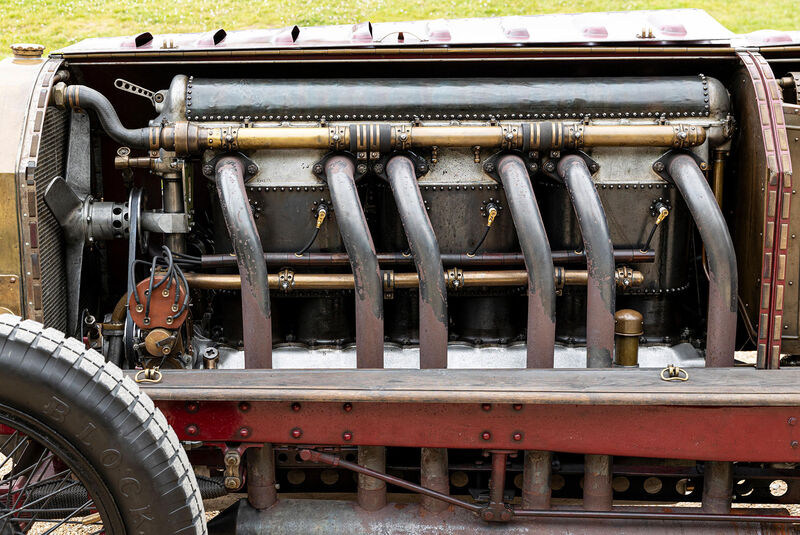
<point>57,23</point>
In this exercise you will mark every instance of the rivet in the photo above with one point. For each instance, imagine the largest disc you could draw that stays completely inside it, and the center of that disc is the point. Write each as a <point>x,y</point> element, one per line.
<point>486,435</point>
<point>244,432</point>
<point>792,420</point>
<point>347,435</point>
<point>192,406</point>
<point>347,407</point>
<point>244,406</point>
<point>795,444</point>
<point>295,406</point>
<point>517,406</point>
<point>191,430</point>
<point>297,432</point>
<point>486,406</point>
<point>517,436</point>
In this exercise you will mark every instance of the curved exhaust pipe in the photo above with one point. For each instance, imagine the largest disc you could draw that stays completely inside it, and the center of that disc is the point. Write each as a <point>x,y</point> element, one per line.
<point>428,260</point>
<point>538,260</point>
<point>601,289</point>
<point>353,228</point>
<point>722,273</point>
<point>256,319</point>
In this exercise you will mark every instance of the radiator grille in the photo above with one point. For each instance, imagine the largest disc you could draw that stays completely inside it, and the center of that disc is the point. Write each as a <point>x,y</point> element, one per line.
<point>50,164</point>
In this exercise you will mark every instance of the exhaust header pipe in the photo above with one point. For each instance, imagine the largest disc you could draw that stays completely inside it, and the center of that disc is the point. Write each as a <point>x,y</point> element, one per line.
<point>256,318</point>
<point>425,250</point>
<point>601,289</point>
<point>339,171</point>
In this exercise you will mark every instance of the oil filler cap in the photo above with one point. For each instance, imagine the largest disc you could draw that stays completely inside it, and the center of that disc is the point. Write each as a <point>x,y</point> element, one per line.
<point>27,50</point>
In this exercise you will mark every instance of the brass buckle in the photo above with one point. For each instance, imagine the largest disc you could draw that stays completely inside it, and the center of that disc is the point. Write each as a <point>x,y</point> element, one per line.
<point>148,375</point>
<point>674,373</point>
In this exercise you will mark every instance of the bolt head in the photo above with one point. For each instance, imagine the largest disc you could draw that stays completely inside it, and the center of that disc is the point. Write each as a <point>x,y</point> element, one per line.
<point>297,432</point>
<point>533,167</point>
<point>232,483</point>
<point>317,169</point>
<point>486,435</point>
<point>208,170</point>
<point>795,444</point>
<point>252,169</point>
<point>378,168</point>
<point>658,167</point>
<point>347,435</point>
<point>488,167</point>
<point>550,166</point>
<point>362,168</point>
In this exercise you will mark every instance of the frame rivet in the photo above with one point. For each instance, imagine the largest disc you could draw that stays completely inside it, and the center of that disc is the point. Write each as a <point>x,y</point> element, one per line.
<point>191,430</point>
<point>486,406</point>
<point>244,432</point>
<point>295,406</point>
<point>486,435</point>
<point>192,406</point>
<point>517,436</point>
<point>244,406</point>
<point>347,407</point>
<point>517,406</point>
<point>347,435</point>
<point>297,432</point>
<point>792,420</point>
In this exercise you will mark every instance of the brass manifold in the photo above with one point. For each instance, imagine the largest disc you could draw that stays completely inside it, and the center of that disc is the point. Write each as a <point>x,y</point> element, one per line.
<point>189,138</point>
<point>287,280</point>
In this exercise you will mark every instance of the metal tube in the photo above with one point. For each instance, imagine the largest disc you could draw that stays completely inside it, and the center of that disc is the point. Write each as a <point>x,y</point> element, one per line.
<point>719,174</point>
<point>538,261</point>
<point>597,491</point>
<point>497,481</point>
<point>346,281</point>
<point>357,240</point>
<point>371,491</point>
<point>252,277</point>
<point>722,275</point>
<point>425,250</point>
<point>261,490</point>
<point>621,256</point>
<point>717,487</point>
<point>172,193</point>
<point>601,292</point>
<point>434,476</point>
<point>537,468</point>
<point>627,330</point>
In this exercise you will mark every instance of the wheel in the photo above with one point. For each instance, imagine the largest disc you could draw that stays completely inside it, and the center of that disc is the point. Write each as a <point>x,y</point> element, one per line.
<point>81,444</point>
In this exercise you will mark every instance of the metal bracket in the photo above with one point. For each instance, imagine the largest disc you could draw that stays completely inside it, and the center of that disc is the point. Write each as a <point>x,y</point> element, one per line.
<point>157,98</point>
<point>660,166</point>
<point>286,279</point>
<point>233,469</point>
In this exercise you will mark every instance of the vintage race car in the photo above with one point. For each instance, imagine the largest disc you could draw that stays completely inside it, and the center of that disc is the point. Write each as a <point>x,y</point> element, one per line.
<point>522,275</point>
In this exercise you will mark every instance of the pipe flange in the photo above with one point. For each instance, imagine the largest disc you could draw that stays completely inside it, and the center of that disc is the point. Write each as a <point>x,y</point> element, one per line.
<point>661,165</point>
<point>550,163</point>
<point>209,167</point>
<point>421,166</point>
<point>360,168</point>
<point>531,159</point>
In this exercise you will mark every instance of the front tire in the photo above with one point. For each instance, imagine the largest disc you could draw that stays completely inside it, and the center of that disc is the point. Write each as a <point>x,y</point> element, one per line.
<point>102,427</point>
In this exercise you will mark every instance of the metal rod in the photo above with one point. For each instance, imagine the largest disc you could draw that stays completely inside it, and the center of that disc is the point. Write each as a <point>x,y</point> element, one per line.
<point>345,281</point>
<point>722,274</point>
<point>601,294</point>
<point>172,193</point>
<point>497,480</point>
<point>719,174</point>
<point>425,250</point>
<point>538,260</point>
<point>252,276</point>
<point>371,491</point>
<point>333,460</point>
<point>621,256</point>
<point>261,490</point>
<point>357,239</point>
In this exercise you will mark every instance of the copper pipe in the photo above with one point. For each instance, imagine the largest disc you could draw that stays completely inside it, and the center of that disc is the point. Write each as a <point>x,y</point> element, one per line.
<point>719,174</point>
<point>345,281</point>
<point>621,256</point>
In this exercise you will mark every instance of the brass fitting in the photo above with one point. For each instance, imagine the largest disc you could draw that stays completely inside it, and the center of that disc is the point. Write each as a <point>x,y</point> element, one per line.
<point>492,214</point>
<point>663,212</point>
<point>627,330</point>
<point>321,213</point>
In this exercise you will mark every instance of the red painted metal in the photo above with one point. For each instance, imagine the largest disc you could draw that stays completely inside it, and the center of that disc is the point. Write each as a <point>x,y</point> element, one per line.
<point>778,202</point>
<point>626,430</point>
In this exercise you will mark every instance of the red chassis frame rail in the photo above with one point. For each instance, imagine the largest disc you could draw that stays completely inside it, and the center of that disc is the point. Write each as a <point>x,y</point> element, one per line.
<point>736,414</point>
